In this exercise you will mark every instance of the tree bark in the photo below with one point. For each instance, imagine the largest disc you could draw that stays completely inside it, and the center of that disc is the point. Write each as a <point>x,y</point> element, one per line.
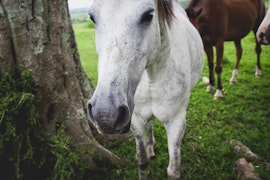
<point>37,35</point>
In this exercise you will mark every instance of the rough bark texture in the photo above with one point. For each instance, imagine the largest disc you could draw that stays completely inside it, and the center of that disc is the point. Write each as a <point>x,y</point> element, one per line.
<point>37,35</point>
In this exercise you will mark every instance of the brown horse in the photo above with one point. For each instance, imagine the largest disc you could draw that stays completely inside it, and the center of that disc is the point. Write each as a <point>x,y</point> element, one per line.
<point>225,20</point>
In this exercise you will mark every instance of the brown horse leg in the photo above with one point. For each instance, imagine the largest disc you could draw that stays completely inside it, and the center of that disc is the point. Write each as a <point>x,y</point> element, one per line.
<point>220,49</point>
<point>258,49</point>
<point>258,67</point>
<point>209,52</point>
<point>239,51</point>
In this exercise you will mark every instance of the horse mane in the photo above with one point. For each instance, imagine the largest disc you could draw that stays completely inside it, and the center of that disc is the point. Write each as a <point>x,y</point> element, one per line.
<point>165,10</point>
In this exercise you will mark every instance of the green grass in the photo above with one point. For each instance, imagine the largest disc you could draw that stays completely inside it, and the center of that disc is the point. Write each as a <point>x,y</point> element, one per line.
<point>85,38</point>
<point>243,114</point>
<point>79,17</point>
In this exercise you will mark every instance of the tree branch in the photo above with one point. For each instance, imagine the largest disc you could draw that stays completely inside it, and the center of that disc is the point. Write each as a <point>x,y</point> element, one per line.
<point>243,150</point>
<point>245,170</point>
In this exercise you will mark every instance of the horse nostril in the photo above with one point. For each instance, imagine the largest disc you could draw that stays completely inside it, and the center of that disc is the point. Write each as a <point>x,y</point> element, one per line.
<point>122,118</point>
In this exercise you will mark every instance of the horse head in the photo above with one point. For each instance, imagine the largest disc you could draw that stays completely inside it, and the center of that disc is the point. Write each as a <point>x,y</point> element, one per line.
<point>263,33</point>
<point>127,41</point>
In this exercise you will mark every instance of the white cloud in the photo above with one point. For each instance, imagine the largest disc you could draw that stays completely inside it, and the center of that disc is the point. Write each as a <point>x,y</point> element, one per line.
<point>73,4</point>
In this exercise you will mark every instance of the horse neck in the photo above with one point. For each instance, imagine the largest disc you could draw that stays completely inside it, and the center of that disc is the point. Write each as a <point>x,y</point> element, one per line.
<point>159,64</point>
<point>165,42</point>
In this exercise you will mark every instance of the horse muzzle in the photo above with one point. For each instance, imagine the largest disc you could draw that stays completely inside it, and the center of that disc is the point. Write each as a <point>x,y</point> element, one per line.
<point>264,38</point>
<point>109,119</point>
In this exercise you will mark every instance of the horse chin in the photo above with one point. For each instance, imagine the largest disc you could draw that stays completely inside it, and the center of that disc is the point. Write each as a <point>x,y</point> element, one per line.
<point>110,119</point>
<point>124,130</point>
<point>107,128</point>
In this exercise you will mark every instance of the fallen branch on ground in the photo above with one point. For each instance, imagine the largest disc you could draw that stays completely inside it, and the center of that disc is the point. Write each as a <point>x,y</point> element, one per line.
<point>245,169</point>
<point>243,150</point>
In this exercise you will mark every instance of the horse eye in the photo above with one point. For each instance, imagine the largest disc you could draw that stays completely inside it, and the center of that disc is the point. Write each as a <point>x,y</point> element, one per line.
<point>92,18</point>
<point>147,16</point>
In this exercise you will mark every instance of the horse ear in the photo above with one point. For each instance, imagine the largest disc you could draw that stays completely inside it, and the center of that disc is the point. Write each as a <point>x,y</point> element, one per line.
<point>198,12</point>
<point>192,13</point>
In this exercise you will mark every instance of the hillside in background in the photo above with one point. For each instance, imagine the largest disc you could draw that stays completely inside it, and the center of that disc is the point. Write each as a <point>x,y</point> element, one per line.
<point>79,10</point>
<point>79,15</point>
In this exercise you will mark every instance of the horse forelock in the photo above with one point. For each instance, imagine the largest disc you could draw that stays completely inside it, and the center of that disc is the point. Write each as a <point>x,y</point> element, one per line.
<point>165,10</point>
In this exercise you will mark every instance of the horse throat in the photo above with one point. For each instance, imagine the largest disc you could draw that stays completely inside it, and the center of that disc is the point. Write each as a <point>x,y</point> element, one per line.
<point>164,50</point>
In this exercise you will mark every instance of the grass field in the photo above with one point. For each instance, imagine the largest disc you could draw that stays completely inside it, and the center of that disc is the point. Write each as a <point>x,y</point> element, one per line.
<point>79,17</point>
<point>243,114</point>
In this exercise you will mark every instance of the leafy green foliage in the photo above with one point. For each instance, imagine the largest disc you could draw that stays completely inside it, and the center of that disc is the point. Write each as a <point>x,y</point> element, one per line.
<point>242,114</point>
<point>16,107</point>
<point>26,150</point>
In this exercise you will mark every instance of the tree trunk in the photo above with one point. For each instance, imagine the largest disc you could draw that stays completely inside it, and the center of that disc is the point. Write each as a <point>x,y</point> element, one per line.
<point>37,35</point>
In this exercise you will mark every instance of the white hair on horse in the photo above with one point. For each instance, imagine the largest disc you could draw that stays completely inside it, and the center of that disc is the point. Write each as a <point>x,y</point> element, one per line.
<point>150,58</point>
<point>263,33</point>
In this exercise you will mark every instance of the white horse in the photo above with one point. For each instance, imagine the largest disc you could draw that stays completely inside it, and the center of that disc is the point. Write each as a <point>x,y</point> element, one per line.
<point>150,58</point>
<point>263,33</point>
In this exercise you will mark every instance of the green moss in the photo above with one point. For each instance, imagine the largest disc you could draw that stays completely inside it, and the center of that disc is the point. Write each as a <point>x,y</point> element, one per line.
<point>24,146</point>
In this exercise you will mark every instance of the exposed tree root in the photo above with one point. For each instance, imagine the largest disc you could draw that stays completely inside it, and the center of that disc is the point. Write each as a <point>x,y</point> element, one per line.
<point>245,170</point>
<point>243,150</point>
<point>244,166</point>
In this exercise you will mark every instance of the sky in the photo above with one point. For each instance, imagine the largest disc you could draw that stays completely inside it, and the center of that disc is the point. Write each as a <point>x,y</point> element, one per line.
<point>73,4</point>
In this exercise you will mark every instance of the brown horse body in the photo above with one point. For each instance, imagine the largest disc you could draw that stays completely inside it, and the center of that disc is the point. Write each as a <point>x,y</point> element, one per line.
<point>225,20</point>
